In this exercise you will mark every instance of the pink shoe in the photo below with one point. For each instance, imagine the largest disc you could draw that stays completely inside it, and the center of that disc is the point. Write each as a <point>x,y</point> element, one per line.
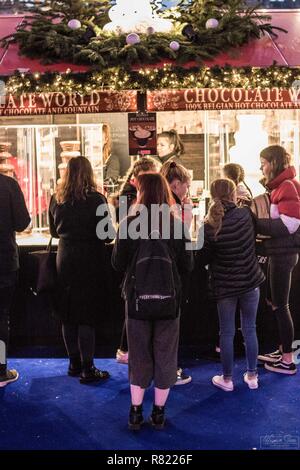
<point>218,381</point>
<point>252,382</point>
<point>122,357</point>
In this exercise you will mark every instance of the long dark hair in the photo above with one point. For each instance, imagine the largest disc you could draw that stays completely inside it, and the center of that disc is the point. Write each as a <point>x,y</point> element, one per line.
<point>154,189</point>
<point>278,158</point>
<point>78,181</point>
<point>106,136</point>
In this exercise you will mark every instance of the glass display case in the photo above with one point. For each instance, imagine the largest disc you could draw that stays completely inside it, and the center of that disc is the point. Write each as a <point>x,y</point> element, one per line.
<point>37,156</point>
<point>55,146</point>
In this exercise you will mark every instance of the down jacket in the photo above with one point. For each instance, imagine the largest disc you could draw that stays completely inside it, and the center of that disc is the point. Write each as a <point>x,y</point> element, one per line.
<point>233,264</point>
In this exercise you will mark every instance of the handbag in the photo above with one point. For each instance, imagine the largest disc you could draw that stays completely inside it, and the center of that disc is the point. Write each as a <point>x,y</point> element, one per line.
<point>41,268</point>
<point>261,209</point>
<point>261,206</point>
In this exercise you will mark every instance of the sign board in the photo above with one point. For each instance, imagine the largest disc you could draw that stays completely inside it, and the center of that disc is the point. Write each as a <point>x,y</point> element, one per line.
<point>142,133</point>
<point>211,99</point>
<point>39,104</point>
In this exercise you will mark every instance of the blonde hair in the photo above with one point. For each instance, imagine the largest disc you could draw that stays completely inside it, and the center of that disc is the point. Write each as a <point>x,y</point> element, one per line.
<point>221,191</point>
<point>173,171</point>
<point>144,164</point>
<point>141,165</point>
<point>173,139</point>
<point>106,147</point>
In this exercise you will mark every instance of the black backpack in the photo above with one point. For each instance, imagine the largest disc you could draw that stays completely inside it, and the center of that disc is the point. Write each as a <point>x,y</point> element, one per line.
<point>152,285</point>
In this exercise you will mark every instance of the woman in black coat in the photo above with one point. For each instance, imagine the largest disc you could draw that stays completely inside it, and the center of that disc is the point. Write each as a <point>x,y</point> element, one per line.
<point>80,265</point>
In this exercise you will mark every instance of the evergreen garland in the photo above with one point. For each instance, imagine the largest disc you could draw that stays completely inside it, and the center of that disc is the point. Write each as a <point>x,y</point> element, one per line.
<point>45,34</point>
<point>153,79</point>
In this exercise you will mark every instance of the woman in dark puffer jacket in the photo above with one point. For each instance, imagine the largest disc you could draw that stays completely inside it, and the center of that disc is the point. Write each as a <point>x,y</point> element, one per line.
<point>229,249</point>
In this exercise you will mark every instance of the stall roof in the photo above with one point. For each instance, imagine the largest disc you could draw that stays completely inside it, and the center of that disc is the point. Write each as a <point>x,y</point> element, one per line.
<point>284,50</point>
<point>10,60</point>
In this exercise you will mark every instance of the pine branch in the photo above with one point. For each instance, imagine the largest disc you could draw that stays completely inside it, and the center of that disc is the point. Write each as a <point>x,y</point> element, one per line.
<point>45,34</point>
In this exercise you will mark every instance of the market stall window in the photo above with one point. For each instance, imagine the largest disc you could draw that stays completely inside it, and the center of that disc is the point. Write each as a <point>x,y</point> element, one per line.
<point>243,134</point>
<point>214,138</point>
<point>37,156</point>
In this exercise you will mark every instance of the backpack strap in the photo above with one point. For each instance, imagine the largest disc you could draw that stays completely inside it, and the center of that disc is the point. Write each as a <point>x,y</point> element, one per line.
<point>128,274</point>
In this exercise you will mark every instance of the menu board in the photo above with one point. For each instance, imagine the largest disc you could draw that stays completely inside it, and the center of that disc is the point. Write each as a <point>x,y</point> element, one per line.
<point>142,133</point>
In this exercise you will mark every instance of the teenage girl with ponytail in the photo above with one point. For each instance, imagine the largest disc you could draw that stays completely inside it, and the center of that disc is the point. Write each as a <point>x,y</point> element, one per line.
<point>169,147</point>
<point>236,173</point>
<point>229,249</point>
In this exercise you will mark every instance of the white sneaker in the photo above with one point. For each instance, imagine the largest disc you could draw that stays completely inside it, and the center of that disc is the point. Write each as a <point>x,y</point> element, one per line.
<point>218,381</point>
<point>251,381</point>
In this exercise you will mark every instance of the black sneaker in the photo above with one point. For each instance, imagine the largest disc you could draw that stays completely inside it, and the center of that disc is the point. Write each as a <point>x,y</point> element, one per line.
<point>157,418</point>
<point>182,378</point>
<point>281,367</point>
<point>270,357</point>
<point>93,375</point>
<point>135,417</point>
<point>9,376</point>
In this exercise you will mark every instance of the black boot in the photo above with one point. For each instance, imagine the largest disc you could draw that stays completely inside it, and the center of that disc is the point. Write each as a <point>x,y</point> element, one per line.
<point>91,374</point>
<point>74,367</point>
<point>135,417</point>
<point>157,418</point>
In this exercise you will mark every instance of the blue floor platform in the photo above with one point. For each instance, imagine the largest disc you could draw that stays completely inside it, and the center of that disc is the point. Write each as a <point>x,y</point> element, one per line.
<point>46,409</point>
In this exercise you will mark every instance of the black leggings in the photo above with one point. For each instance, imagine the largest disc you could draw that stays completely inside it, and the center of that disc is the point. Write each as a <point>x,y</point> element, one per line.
<point>280,275</point>
<point>80,342</point>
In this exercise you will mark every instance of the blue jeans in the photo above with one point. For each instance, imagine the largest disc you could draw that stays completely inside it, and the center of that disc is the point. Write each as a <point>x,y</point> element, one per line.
<point>248,304</point>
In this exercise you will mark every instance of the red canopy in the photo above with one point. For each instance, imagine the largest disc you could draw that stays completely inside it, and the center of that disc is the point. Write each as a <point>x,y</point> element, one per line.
<point>10,60</point>
<point>285,50</point>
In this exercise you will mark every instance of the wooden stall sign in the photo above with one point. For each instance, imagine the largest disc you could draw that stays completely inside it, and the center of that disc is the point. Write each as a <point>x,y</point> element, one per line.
<point>38,104</point>
<point>210,99</point>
